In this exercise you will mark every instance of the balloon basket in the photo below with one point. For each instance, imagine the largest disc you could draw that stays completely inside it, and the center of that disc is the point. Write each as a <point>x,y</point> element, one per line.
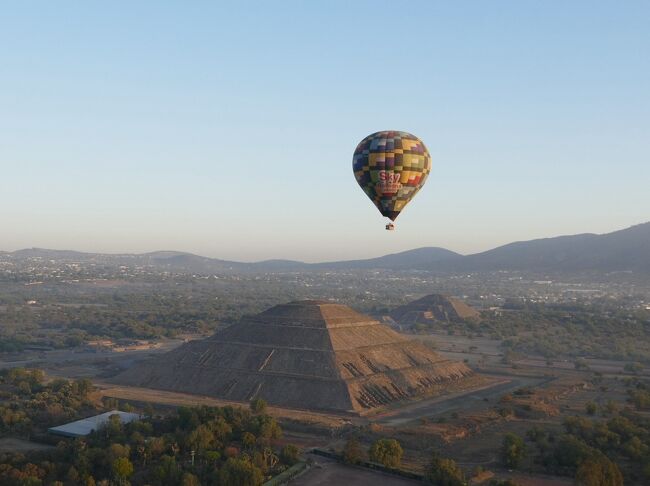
<point>390,227</point>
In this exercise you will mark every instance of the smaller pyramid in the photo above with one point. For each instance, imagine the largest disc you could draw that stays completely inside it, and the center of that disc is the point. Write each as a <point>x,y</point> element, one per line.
<point>434,308</point>
<point>311,355</point>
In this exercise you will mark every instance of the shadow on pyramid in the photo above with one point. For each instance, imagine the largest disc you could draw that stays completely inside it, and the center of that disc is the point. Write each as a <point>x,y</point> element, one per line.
<point>310,355</point>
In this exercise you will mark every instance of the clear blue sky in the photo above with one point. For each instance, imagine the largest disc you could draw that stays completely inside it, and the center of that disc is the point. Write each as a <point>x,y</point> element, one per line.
<point>227,129</point>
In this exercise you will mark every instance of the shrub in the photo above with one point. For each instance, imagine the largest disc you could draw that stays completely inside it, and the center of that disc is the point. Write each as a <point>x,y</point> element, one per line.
<point>387,452</point>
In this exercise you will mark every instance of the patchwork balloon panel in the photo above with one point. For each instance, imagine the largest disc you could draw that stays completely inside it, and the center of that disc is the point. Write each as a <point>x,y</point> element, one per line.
<point>391,167</point>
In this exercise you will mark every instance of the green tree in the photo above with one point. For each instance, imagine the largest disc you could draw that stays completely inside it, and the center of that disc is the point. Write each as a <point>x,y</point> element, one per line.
<point>289,454</point>
<point>83,387</point>
<point>591,408</point>
<point>167,472</point>
<point>221,429</point>
<point>116,451</point>
<point>240,472</point>
<point>189,479</point>
<point>387,452</point>
<point>269,429</point>
<point>513,450</point>
<point>114,426</point>
<point>640,399</point>
<point>122,468</point>
<point>444,472</point>
<point>258,405</point>
<point>73,475</point>
<point>248,440</point>
<point>212,457</point>
<point>598,471</point>
<point>352,452</point>
<point>200,439</point>
<point>570,451</point>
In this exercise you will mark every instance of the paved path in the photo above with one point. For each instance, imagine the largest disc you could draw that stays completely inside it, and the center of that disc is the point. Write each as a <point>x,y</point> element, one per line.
<point>327,472</point>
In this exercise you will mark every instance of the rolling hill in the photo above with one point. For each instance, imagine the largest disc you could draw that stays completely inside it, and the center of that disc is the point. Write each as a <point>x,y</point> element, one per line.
<point>406,260</point>
<point>626,250</point>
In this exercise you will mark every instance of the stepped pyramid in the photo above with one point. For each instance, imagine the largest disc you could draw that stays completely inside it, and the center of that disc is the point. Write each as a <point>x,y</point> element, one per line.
<point>308,355</point>
<point>434,307</point>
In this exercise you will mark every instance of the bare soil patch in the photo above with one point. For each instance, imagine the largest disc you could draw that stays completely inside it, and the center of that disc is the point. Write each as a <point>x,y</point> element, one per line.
<point>161,397</point>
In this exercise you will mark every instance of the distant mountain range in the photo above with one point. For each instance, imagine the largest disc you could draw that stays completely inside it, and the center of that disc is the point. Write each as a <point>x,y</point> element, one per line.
<point>626,250</point>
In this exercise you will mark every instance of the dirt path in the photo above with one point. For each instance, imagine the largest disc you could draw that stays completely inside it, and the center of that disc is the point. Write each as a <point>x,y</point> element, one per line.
<point>456,401</point>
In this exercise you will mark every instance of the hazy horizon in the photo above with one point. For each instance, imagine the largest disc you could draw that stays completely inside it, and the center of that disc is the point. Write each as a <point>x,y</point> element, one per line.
<point>229,131</point>
<point>361,256</point>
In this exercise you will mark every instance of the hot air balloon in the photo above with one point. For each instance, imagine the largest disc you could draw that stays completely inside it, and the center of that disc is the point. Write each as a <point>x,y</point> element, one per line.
<point>391,167</point>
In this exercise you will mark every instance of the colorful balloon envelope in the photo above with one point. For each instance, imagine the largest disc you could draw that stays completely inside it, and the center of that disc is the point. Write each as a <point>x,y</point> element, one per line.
<point>391,167</point>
